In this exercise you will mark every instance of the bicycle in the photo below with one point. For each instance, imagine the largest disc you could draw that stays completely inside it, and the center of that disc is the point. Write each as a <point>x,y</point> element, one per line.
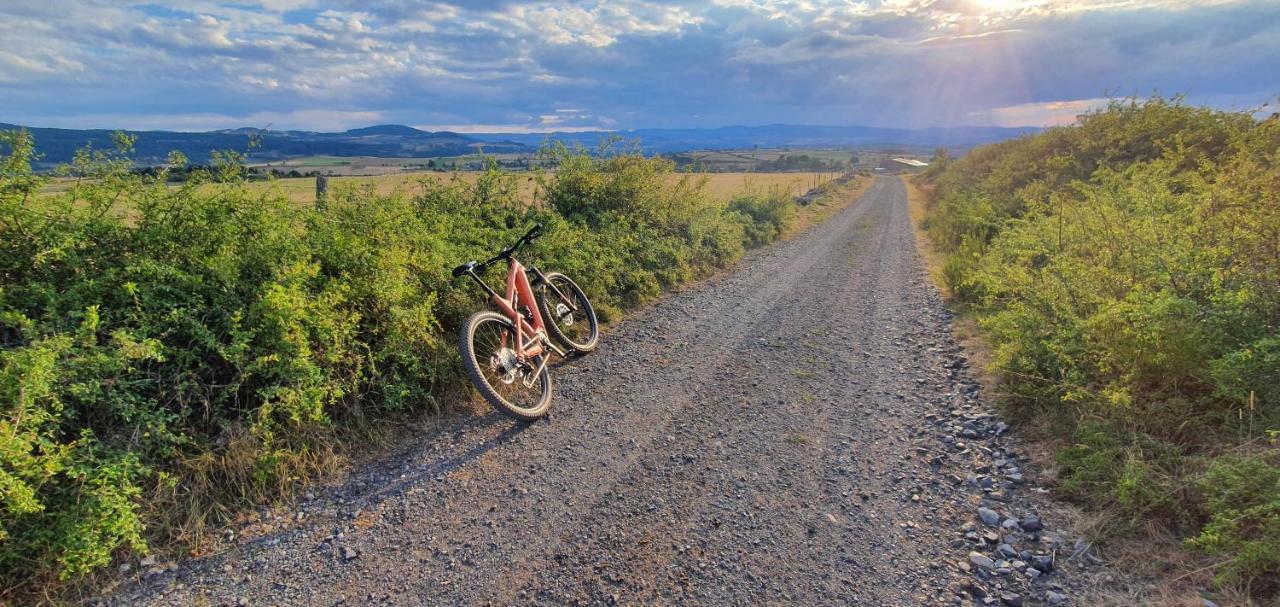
<point>505,354</point>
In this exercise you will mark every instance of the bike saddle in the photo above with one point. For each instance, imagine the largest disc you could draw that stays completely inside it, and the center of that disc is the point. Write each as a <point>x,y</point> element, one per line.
<point>465,268</point>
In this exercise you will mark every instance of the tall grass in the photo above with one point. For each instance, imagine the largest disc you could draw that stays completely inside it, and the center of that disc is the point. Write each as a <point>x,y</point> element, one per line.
<point>169,355</point>
<point>1127,272</point>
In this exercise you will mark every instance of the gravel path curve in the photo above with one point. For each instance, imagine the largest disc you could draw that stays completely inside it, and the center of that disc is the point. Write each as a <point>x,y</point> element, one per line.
<point>780,434</point>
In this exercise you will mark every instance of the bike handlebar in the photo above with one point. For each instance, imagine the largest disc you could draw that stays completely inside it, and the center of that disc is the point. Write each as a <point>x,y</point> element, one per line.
<point>471,266</point>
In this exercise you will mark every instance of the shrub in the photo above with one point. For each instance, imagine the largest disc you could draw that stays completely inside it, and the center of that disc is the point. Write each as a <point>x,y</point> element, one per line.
<point>1127,273</point>
<point>1242,495</point>
<point>766,214</point>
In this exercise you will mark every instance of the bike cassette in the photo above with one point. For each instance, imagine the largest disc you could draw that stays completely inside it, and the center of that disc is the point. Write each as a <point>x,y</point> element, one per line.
<point>564,314</point>
<point>506,364</point>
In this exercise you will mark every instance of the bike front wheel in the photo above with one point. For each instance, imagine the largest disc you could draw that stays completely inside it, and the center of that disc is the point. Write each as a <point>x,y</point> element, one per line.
<point>568,314</point>
<point>518,388</point>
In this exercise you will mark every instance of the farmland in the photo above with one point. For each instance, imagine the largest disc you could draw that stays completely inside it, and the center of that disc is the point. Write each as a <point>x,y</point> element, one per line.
<point>726,172</point>
<point>720,186</point>
<point>748,160</point>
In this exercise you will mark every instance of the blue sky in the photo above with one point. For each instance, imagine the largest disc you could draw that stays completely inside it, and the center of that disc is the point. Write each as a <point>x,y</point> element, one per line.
<point>498,65</point>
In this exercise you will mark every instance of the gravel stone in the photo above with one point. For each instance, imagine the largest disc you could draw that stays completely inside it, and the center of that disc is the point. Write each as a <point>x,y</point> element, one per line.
<point>989,516</point>
<point>981,560</point>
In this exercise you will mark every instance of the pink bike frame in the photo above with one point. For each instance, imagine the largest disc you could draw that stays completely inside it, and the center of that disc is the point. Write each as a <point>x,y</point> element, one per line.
<point>519,291</point>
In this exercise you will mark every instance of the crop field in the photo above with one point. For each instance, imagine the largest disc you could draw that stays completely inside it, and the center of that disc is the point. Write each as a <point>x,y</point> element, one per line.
<point>756,155</point>
<point>764,160</point>
<point>349,166</point>
<point>720,185</point>
<point>732,161</point>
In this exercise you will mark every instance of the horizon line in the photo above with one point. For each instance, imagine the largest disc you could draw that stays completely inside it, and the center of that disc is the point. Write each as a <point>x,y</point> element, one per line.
<point>516,130</point>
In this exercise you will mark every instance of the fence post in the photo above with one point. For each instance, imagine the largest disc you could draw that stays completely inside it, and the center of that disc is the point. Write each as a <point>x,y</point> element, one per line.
<point>322,188</point>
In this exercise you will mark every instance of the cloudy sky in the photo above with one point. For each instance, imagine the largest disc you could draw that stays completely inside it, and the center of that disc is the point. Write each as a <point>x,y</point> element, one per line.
<point>498,65</point>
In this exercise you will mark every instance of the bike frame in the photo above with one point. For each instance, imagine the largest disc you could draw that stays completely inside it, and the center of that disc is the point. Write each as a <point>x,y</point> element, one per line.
<point>519,291</point>
<point>531,336</point>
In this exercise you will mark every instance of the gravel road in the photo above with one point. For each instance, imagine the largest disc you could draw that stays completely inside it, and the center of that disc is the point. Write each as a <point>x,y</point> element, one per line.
<point>801,430</point>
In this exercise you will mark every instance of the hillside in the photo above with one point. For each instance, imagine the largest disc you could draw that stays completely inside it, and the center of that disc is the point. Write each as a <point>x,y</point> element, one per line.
<point>782,135</point>
<point>56,146</point>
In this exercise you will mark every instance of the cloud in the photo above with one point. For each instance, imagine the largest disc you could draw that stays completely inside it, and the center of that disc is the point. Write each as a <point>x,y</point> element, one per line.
<point>325,120</point>
<point>1045,113</point>
<point>626,63</point>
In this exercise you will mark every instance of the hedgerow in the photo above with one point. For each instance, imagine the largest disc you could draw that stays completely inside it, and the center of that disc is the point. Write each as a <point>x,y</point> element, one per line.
<point>1127,272</point>
<point>169,354</point>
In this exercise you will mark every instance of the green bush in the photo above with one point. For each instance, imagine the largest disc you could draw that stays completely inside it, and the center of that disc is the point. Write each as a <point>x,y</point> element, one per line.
<point>1242,494</point>
<point>1127,273</point>
<point>171,353</point>
<point>766,214</point>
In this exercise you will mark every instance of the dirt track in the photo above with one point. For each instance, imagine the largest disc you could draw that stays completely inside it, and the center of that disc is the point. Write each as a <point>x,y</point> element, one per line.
<point>765,437</point>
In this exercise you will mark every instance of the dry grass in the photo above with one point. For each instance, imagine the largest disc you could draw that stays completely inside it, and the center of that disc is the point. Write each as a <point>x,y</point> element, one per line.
<point>918,197</point>
<point>721,186</point>
<point>823,207</point>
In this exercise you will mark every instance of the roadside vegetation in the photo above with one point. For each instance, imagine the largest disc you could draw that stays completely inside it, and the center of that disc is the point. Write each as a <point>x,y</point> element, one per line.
<point>719,187</point>
<point>170,355</point>
<point>1125,272</point>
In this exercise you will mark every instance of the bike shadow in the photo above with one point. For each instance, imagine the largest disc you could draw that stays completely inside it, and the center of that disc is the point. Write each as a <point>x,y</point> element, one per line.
<point>439,451</point>
<point>437,467</point>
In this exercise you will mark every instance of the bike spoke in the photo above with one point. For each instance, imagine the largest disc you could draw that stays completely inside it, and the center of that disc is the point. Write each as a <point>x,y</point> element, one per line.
<point>573,324</point>
<point>493,347</point>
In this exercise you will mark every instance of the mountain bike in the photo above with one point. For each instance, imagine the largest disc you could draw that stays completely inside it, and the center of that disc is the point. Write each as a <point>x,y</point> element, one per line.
<point>505,353</point>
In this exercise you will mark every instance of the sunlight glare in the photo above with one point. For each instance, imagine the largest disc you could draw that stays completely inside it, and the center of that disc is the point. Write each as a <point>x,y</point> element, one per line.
<point>1001,6</point>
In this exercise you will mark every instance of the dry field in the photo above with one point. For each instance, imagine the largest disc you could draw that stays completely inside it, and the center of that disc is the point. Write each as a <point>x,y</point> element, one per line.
<point>720,185</point>
<point>376,166</point>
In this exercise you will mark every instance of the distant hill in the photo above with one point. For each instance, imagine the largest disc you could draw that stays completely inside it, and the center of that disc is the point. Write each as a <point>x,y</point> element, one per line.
<point>57,146</point>
<point>781,135</point>
<point>398,130</point>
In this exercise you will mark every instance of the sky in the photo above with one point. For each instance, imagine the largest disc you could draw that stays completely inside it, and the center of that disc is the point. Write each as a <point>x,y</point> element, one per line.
<point>519,66</point>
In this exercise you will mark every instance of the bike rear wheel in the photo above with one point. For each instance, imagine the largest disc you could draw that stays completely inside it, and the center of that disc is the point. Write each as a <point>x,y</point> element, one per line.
<point>571,321</point>
<point>520,389</point>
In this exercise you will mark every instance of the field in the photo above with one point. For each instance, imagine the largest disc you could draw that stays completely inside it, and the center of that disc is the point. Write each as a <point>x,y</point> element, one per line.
<point>347,166</point>
<point>749,160</point>
<point>720,186</point>
<point>776,159</point>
